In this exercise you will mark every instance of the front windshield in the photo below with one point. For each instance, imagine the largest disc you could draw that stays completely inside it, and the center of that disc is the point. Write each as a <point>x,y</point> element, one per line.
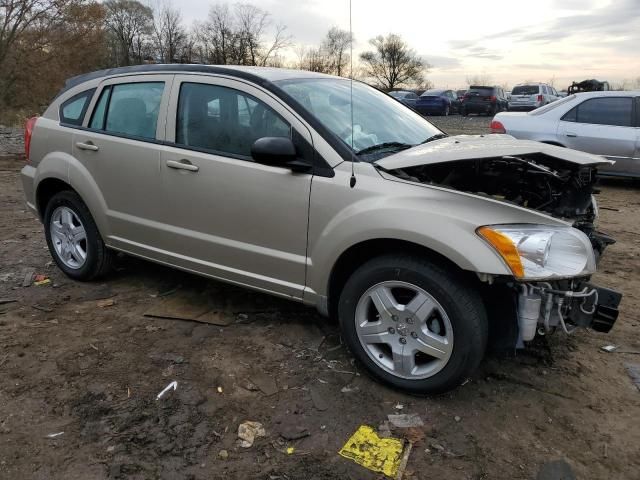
<point>377,119</point>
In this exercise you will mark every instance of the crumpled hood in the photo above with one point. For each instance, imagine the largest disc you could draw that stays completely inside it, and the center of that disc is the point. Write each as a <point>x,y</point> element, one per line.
<point>469,147</point>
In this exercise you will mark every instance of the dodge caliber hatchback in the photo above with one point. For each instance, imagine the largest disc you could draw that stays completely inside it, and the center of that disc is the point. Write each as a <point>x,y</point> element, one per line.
<point>424,246</point>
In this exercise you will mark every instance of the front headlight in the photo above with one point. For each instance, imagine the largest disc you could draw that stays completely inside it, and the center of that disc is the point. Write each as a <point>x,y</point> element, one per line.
<point>541,252</point>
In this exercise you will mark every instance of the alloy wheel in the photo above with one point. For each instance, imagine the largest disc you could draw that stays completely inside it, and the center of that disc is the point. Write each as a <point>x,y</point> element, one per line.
<point>68,237</point>
<point>404,330</point>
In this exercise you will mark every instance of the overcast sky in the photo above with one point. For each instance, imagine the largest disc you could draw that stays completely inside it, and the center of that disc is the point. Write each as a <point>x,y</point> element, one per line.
<point>510,41</point>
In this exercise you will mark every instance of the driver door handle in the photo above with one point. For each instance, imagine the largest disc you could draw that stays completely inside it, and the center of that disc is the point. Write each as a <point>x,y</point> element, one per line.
<point>87,146</point>
<point>570,134</point>
<point>182,165</point>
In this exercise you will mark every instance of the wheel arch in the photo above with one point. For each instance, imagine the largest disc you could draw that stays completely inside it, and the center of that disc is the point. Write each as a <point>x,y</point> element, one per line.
<point>46,189</point>
<point>361,252</point>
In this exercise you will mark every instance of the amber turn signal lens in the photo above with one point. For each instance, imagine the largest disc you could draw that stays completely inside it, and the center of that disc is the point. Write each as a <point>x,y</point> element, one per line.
<point>505,247</point>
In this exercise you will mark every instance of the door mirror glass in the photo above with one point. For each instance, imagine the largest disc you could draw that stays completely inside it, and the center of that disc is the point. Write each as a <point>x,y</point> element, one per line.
<point>276,151</point>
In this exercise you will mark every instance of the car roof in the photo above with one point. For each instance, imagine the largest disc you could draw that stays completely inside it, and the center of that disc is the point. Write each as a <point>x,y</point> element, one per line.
<point>256,74</point>
<point>608,93</point>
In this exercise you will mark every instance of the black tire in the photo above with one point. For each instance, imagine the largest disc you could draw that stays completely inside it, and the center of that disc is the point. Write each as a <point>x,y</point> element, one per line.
<point>464,112</point>
<point>99,259</point>
<point>458,297</point>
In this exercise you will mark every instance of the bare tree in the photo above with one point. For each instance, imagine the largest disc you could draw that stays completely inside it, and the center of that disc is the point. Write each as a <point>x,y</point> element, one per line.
<point>336,48</point>
<point>392,63</point>
<point>313,59</point>
<point>129,24</point>
<point>236,35</point>
<point>169,35</point>
<point>17,16</point>
<point>480,79</point>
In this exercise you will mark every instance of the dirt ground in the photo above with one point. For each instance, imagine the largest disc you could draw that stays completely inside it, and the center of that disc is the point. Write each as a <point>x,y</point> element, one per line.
<point>69,365</point>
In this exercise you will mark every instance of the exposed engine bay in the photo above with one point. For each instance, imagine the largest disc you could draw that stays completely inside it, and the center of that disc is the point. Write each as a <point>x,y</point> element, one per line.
<point>536,181</point>
<point>547,184</point>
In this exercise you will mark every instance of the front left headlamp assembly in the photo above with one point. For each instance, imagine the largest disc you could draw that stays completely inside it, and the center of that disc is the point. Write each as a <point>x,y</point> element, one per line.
<point>541,252</point>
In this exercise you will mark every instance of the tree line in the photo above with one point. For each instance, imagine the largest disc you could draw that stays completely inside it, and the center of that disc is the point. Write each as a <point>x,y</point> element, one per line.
<point>44,42</point>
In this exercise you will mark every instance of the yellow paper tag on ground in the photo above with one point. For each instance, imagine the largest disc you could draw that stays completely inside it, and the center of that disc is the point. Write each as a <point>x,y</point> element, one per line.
<point>366,448</point>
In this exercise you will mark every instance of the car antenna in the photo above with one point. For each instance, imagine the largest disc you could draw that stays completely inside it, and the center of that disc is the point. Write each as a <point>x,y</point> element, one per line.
<point>352,180</point>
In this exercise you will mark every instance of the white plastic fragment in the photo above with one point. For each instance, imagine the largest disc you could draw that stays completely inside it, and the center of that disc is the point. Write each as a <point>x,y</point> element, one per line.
<point>54,435</point>
<point>173,385</point>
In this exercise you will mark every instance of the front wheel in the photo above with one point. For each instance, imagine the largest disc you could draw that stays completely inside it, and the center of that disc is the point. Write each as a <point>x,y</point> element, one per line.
<point>413,324</point>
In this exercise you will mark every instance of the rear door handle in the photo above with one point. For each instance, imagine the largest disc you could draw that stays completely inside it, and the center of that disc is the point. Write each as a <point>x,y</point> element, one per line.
<point>570,134</point>
<point>87,146</point>
<point>182,165</point>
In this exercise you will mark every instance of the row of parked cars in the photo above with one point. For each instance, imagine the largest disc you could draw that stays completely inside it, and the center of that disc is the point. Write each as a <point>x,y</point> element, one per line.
<point>479,99</point>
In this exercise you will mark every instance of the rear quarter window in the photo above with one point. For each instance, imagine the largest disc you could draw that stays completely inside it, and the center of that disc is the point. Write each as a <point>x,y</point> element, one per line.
<point>73,110</point>
<point>615,111</point>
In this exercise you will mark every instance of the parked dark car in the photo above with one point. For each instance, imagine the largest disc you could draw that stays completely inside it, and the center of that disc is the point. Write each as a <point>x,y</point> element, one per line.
<point>460,94</point>
<point>481,99</point>
<point>439,102</point>
<point>406,97</point>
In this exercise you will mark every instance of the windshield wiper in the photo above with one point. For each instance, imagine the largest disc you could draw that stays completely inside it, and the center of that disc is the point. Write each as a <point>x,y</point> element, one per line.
<point>382,146</point>
<point>437,136</point>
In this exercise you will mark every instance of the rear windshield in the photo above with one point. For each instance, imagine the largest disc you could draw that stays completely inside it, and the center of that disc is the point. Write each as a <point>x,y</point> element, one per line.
<point>525,90</point>
<point>481,91</point>
<point>432,92</point>
<point>552,105</point>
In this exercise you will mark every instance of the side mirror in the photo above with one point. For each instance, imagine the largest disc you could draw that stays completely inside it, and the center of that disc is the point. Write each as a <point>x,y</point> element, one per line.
<point>273,150</point>
<point>279,152</point>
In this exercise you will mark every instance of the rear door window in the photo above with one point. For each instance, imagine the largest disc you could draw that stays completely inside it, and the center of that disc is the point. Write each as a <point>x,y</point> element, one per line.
<point>73,110</point>
<point>224,120</point>
<point>129,109</point>
<point>616,111</point>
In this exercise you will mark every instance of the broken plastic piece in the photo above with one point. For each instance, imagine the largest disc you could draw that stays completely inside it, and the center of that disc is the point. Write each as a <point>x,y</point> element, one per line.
<point>377,454</point>
<point>173,385</point>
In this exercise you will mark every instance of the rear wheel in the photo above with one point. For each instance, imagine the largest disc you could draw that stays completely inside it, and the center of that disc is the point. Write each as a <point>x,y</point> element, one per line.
<point>413,324</point>
<point>73,238</point>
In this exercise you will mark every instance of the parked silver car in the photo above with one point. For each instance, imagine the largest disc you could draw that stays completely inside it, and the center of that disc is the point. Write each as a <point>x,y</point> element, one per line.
<point>423,245</point>
<point>529,96</point>
<point>602,123</point>
<point>405,96</point>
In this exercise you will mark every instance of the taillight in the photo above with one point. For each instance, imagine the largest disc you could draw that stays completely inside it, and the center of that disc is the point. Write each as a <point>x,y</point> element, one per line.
<point>540,98</point>
<point>497,127</point>
<point>492,98</point>
<point>28,131</point>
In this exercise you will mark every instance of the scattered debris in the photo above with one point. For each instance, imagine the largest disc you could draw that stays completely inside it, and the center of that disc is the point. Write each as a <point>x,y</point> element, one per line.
<point>293,432</point>
<point>377,454</point>
<point>223,454</point>
<point>219,389</point>
<point>406,420</point>
<point>41,308</point>
<point>319,399</point>
<point>404,461</point>
<point>248,431</point>
<point>457,418</point>
<point>633,370</point>
<point>173,385</point>
<point>28,277</point>
<point>188,306</point>
<point>54,435</point>
<point>399,406</point>
<point>608,348</point>
<point>38,283</point>
<point>107,302</point>
<point>264,382</point>
<point>556,470</point>
<point>5,277</point>
<point>7,300</point>
<point>39,278</point>
<point>290,450</point>
<point>347,389</point>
